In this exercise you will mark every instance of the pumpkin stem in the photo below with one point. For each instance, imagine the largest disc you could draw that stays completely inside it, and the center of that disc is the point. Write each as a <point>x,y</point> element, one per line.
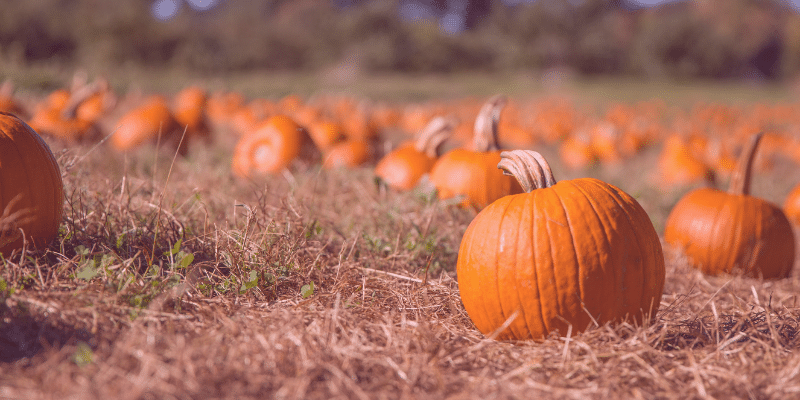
<point>485,138</point>
<point>77,97</point>
<point>529,168</point>
<point>433,135</point>
<point>740,181</point>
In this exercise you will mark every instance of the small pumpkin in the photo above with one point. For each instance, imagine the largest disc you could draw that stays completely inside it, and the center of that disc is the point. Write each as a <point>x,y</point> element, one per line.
<point>679,165</point>
<point>560,254</point>
<point>472,173</point>
<point>153,122</point>
<point>733,232</point>
<point>325,133</point>
<point>349,153</point>
<point>271,148</point>
<point>58,115</point>
<point>31,190</point>
<point>188,108</point>
<point>402,168</point>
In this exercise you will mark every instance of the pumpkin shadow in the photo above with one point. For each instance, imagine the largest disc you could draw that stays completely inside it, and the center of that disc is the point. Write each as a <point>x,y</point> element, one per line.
<point>23,336</point>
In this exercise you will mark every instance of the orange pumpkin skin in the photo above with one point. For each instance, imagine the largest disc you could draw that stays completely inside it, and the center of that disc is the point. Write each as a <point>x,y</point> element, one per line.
<point>270,148</point>
<point>557,255</point>
<point>189,109</point>
<point>404,166</point>
<point>146,123</point>
<point>325,134</point>
<point>31,190</point>
<point>792,205</point>
<point>349,153</point>
<point>473,175</point>
<point>733,232</point>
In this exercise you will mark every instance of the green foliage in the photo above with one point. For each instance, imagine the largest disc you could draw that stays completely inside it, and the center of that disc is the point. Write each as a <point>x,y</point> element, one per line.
<point>591,37</point>
<point>307,290</point>
<point>83,355</point>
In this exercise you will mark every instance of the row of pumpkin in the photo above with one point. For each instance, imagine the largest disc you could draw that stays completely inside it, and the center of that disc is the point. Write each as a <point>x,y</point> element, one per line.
<point>697,144</point>
<point>539,257</point>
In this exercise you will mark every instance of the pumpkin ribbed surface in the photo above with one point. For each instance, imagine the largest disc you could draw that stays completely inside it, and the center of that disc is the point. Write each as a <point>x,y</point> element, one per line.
<point>557,255</point>
<point>733,232</point>
<point>473,175</point>
<point>31,190</point>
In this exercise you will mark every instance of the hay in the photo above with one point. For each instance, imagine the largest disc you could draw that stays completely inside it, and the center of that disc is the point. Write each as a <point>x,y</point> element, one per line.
<point>110,311</point>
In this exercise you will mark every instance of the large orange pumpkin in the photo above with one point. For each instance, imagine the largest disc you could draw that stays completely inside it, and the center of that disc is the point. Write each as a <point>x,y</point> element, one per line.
<point>733,232</point>
<point>31,191</point>
<point>402,168</point>
<point>561,254</point>
<point>473,173</point>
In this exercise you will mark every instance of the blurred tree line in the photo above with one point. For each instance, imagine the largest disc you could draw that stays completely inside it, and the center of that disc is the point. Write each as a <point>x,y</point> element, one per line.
<point>703,38</point>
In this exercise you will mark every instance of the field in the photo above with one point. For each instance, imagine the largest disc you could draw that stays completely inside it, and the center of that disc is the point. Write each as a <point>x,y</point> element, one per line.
<point>173,278</point>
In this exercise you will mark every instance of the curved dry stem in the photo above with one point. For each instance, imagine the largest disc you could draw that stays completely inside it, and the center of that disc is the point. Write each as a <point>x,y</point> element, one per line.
<point>485,138</point>
<point>79,96</point>
<point>740,181</point>
<point>434,134</point>
<point>529,168</point>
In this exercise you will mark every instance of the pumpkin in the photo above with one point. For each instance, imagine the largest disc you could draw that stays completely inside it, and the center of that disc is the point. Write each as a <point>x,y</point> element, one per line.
<point>152,121</point>
<point>189,110</point>
<point>325,133</point>
<point>221,106</point>
<point>560,254</point>
<point>271,148</point>
<point>791,205</point>
<point>98,101</point>
<point>402,168</point>
<point>472,173</point>
<point>679,165</point>
<point>58,115</point>
<point>31,191</point>
<point>577,152</point>
<point>733,232</point>
<point>349,153</point>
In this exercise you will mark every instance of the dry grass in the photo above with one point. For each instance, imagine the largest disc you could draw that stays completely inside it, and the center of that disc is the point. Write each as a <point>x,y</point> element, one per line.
<point>114,309</point>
